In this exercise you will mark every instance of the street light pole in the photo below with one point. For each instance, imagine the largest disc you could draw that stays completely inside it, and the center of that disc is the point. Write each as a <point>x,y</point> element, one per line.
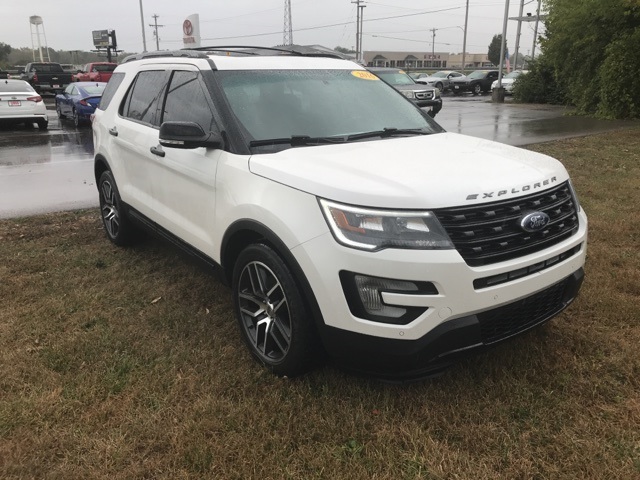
<point>144,39</point>
<point>464,41</point>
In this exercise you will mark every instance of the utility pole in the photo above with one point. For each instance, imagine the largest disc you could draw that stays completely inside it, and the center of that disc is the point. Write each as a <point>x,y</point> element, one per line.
<point>464,40</point>
<point>515,61</point>
<point>155,31</point>
<point>498,93</point>
<point>144,39</point>
<point>433,45</point>
<point>535,32</point>
<point>359,12</point>
<point>361,7</point>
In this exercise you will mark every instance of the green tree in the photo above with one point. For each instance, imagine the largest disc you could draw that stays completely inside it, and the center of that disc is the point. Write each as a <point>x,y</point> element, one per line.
<point>592,48</point>
<point>5,50</point>
<point>494,50</point>
<point>344,50</point>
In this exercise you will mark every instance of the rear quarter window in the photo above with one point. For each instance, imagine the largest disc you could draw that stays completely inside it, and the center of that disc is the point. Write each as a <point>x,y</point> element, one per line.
<point>110,90</point>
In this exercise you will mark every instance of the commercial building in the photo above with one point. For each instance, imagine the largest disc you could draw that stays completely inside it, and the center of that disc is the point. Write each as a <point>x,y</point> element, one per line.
<point>438,60</point>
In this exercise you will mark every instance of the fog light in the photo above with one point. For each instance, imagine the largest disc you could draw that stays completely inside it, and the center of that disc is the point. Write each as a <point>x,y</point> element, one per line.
<point>370,288</point>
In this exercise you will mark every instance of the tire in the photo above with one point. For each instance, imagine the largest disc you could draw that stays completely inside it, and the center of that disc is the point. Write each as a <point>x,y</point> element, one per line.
<point>43,124</point>
<point>275,322</point>
<point>477,89</point>
<point>117,225</point>
<point>439,87</point>
<point>59,111</point>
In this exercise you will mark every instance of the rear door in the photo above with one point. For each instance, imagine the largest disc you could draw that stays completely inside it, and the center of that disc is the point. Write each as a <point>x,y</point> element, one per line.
<point>134,131</point>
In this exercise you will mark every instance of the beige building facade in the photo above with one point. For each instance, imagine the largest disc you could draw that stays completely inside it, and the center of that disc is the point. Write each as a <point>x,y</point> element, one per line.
<point>437,60</point>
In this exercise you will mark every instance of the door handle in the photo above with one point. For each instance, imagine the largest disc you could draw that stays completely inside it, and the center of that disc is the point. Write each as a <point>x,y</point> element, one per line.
<point>157,151</point>
<point>113,131</point>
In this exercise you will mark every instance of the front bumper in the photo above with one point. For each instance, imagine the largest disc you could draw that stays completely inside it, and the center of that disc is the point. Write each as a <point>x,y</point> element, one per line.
<point>461,87</point>
<point>444,323</point>
<point>434,105</point>
<point>399,360</point>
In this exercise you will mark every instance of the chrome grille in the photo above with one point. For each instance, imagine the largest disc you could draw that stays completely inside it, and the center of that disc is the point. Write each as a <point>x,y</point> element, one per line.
<point>424,95</point>
<point>490,232</point>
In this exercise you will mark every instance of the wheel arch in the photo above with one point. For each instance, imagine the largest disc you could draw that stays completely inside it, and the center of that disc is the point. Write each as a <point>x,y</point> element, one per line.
<point>245,232</point>
<point>100,165</point>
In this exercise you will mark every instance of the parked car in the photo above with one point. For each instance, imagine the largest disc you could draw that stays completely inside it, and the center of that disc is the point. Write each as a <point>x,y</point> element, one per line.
<point>476,82</point>
<point>441,80</point>
<point>20,103</point>
<point>46,77</point>
<point>345,219</point>
<point>95,72</point>
<point>79,101</point>
<point>508,81</point>
<point>421,95</point>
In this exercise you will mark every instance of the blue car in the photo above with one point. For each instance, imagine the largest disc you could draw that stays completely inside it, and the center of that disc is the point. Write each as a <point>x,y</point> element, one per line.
<point>79,100</point>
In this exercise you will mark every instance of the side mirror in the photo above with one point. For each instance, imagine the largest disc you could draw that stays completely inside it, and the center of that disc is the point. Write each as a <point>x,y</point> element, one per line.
<point>188,135</point>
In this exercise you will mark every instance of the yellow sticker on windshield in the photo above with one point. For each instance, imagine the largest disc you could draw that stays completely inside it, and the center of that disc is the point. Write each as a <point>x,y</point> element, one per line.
<point>364,75</point>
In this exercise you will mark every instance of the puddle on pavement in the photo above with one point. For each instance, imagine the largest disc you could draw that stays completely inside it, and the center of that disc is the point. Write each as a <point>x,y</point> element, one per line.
<point>25,146</point>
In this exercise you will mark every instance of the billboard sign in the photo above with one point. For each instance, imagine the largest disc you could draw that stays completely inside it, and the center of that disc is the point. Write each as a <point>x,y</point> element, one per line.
<point>100,38</point>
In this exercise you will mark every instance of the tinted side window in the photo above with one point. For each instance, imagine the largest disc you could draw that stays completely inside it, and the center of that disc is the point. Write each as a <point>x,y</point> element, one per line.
<point>187,101</point>
<point>110,90</point>
<point>145,95</point>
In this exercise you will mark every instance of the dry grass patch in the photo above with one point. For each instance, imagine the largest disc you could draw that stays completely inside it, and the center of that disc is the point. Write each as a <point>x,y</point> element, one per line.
<point>128,364</point>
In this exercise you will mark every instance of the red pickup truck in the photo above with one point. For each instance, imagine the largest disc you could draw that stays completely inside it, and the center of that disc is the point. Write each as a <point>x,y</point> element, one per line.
<point>95,72</point>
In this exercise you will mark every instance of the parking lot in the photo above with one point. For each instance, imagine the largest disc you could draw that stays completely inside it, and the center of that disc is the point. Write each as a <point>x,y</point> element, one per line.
<point>45,171</point>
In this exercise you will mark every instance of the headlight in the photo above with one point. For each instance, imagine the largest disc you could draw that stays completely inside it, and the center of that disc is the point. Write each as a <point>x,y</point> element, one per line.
<point>409,94</point>
<point>437,93</point>
<point>368,229</point>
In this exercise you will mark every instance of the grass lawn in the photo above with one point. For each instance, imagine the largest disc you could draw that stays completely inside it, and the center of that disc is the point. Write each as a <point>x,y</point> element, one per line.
<point>127,363</point>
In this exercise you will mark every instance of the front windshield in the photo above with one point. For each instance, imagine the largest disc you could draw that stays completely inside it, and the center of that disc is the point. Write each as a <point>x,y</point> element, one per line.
<point>440,74</point>
<point>512,75</point>
<point>396,78</point>
<point>272,104</point>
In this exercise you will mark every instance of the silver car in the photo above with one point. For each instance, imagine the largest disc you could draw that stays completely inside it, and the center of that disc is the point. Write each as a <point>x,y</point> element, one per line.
<point>441,80</point>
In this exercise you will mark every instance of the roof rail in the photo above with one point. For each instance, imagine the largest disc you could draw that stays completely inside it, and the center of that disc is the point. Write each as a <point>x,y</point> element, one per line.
<point>190,53</point>
<point>296,50</point>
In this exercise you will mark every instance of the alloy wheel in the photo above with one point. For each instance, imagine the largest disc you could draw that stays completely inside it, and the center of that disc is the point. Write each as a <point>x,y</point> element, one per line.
<point>264,311</point>
<point>109,208</point>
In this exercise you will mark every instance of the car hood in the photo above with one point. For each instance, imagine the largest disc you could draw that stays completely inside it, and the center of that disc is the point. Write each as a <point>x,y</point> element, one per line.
<point>429,171</point>
<point>413,88</point>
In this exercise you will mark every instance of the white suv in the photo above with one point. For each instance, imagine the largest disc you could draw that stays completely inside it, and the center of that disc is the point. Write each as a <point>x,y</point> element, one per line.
<point>345,219</point>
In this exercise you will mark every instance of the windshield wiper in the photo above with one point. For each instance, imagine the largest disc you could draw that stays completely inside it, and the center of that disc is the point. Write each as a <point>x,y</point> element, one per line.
<point>387,132</point>
<point>297,141</point>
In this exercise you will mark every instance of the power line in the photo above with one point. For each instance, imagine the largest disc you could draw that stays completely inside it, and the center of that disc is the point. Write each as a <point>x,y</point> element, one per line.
<point>331,25</point>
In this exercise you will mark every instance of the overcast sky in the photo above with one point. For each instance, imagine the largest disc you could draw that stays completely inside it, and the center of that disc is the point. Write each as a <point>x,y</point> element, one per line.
<point>401,25</point>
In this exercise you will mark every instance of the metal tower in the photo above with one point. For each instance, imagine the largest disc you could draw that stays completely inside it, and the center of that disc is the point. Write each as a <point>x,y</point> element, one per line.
<point>36,21</point>
<point>287,33</point>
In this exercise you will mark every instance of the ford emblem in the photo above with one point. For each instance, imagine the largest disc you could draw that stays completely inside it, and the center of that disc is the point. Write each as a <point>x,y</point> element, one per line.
<point>534,222</point>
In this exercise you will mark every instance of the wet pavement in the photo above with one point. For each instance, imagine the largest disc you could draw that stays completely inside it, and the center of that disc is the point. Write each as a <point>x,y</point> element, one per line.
<point>46,171</point>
